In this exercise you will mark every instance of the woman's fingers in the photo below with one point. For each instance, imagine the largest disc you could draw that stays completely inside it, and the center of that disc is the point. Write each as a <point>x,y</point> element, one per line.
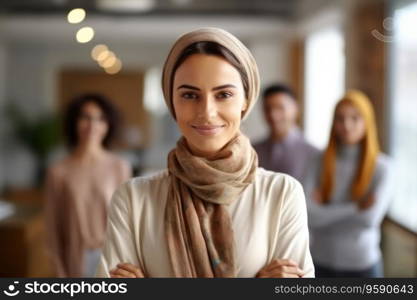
<point>287,270</point>
<point>281,268</point>
<point>367,203</point>
<point>132,269</point>
<point>286,262</point>
<point>123,273</point>
<point>281,262</point>
<point>126,270</point>
<point>278,275</point>
<point>281,272</point>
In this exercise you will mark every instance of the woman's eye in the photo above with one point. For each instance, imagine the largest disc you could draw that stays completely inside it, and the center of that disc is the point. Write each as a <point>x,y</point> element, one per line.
<point>224,95</point>
<point>189,95</point>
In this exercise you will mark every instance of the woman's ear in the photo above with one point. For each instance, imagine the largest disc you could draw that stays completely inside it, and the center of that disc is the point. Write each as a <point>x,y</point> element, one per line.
<point>244,106</point>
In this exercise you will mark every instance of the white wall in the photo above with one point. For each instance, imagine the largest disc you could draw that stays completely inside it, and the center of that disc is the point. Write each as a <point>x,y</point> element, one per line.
<point>271,55</point>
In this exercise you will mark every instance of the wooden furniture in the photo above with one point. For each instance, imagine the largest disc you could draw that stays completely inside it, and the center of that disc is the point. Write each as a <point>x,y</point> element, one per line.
<point>22,243</point>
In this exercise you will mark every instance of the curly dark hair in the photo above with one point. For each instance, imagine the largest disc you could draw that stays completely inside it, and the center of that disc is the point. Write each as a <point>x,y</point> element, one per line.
<point>73,113</point>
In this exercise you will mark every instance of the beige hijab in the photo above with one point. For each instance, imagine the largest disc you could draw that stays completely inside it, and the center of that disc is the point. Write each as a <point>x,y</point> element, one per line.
<point>198,227</point>
<point>226,40</point>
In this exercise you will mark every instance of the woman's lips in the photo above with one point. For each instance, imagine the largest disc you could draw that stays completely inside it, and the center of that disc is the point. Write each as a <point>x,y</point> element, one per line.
<point>208,129</point>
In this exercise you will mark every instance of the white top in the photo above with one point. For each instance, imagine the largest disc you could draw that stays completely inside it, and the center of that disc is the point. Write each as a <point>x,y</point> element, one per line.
<point>269,222</point>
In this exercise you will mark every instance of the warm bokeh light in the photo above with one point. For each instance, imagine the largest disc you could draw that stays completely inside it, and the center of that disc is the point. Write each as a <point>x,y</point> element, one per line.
<point>77,15</point>
<point>85,34</point>
<point>98,50</point>
<point>117,66</point>
<point>103,55</point>
<point>108,62</point>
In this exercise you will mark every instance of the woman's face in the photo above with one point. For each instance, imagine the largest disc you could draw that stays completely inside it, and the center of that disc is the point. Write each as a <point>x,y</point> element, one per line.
<point>92,126</point>
<point>349,124</point>
<point>208,99</point>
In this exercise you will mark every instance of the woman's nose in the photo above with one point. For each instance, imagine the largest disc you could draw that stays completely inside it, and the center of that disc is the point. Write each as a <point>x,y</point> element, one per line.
<point>207,107</point>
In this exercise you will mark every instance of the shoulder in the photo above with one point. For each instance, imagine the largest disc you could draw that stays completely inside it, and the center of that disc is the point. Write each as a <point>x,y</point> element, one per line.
<point>58,168</point>
<point>315,160</point>
<point>264,176</point>
<point>383,165</point>
<point>118,161</point>
<point>282,194</point>
<point>277,186</point>
<point>302,143</point>
<point>260,144</point>
<point>137,190</point>
<point>383,161</point>
<point>151,181</point>
<point>313,150</point>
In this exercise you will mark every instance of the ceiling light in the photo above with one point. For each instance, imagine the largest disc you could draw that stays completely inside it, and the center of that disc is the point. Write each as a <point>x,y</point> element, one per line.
<point>85,34</point>
<point>77,15</point>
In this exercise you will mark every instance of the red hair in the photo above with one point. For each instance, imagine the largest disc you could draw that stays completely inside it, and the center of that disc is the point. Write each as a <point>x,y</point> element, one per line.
<point>369,144</point>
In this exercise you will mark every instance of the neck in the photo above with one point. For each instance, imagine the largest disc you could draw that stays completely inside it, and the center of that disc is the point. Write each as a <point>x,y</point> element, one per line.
<point>279,136</point>
<point>88,151</point>
<point>349,149</point>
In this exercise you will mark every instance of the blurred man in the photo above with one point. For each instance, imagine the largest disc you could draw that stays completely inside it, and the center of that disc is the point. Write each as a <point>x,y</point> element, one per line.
<point>285,150</point>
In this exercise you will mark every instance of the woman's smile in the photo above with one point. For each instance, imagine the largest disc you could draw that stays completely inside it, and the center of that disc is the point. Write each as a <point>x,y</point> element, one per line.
<point>208,130</point>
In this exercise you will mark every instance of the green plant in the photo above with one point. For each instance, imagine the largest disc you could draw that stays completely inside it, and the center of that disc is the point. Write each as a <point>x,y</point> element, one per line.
<point>40,135</point>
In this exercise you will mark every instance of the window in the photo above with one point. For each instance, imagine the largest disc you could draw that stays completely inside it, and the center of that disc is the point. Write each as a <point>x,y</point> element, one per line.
<point>403,142</point>
<point>325,82</point>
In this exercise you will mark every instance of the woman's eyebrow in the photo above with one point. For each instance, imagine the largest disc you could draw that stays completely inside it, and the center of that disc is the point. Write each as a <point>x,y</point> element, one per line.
<point>186,86</point>
<point>223,86</point>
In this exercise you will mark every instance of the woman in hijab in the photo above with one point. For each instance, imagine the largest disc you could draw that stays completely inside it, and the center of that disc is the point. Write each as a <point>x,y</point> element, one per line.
<point>79,187</point>
<point>348,193</point>
<point>213,212</point>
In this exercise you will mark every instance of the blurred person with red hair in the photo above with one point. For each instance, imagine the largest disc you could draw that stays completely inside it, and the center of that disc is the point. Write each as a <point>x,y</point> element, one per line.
<point>348,193</point>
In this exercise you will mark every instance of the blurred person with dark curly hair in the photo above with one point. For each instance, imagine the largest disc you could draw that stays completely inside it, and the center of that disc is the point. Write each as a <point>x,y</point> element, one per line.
<point>79,187</point>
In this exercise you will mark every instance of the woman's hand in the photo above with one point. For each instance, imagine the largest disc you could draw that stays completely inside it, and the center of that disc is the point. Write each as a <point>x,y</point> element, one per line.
<point>126,270</point>
<point>281,268</point>
<point>367,203</point>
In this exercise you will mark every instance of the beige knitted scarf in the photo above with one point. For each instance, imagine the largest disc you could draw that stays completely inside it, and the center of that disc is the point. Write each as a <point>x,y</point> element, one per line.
<point>198,227</point>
